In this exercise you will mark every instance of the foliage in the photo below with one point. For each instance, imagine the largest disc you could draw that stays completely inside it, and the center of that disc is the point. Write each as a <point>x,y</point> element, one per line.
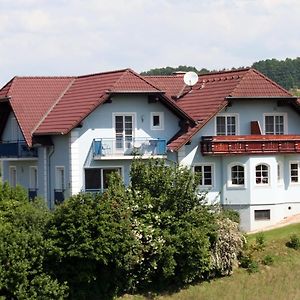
<point>260,241</point>
<point>268,260</point>
<point>23,248</point>
<point>173,226</point>
<point>231,214</point>
<point>94,243</point>
<point>227,248</point>
<point>171,70</point>
<point>285,72</point>
<point>294,242</point>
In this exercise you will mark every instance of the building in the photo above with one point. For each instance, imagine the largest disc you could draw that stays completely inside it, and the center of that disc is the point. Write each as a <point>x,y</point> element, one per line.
<point>238,129</point>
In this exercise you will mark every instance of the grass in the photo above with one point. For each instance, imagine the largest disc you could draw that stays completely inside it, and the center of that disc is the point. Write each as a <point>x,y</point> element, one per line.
<point>279,281</point>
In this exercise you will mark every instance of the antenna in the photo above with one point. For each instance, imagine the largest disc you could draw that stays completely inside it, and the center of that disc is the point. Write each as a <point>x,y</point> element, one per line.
<point>190,78</point>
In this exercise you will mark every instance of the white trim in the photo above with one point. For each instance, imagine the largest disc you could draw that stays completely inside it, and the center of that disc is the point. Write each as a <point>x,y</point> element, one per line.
<point>212,165</point>
<point>161,120</point>
<point>290,181</point>
<point>134,126</point>
<point>237,119</point>
<point>269,175</point>
<point>10,176</point>
<point>285,120</point>
<point>33,184</point>
<point>229,178</point>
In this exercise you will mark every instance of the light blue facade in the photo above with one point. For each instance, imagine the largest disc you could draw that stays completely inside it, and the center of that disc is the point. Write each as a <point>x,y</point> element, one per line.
<point>63,165</point>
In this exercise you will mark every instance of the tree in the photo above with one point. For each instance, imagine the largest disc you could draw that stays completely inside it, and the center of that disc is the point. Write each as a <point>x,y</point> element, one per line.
<point>23,248</point>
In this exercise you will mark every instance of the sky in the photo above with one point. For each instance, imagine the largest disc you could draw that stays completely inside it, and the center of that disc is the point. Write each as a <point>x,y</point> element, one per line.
<point>76,37</point>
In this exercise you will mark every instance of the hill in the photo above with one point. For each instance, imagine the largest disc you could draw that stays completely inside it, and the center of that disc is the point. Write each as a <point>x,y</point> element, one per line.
<point>284,72</point>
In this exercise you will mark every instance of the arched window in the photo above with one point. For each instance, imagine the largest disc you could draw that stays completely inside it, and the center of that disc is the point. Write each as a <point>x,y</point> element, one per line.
<point>237,175</point>
<point>262,174</point>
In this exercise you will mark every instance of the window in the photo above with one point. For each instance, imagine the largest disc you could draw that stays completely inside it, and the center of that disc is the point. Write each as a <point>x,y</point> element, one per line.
<point>294,172</point>
<point>124,131</point>
<point>275,124</point>
<point>157,121</point>
<point>60,178</point>
<point>226,125</point>
<point>97,179</point>
<point>262,174</point>
<point>13,176</point>
<point>206,174</point>
<point>33,178</point>
<point>262,214</point>
<point>237,175</point>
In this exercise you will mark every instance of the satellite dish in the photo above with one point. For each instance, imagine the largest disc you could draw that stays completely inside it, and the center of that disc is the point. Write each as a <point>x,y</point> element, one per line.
<point>190,78</point>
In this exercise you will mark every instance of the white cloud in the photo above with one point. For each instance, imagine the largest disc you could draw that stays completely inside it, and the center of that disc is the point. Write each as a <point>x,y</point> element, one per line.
<point>82,36</point>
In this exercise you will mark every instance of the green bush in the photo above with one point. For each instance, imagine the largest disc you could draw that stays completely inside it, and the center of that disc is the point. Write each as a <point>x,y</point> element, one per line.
<point>294,242</point>
<point>260,241</point>
<point>268,260</point>
<point>231,215</point>
<point>253,267</point>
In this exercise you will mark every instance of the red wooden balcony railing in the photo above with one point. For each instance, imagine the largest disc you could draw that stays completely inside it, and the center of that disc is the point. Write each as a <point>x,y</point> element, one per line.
<point>250,144</point>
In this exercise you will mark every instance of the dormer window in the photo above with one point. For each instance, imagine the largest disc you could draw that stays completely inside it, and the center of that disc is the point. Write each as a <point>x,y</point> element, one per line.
<point>157,120</point>
<point>226,124</point>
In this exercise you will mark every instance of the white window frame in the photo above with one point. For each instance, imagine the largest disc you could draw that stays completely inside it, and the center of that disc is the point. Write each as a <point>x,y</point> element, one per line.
<point>269,177</point>
<point>237,122</point>
<point>285,121</point>
<point>212,165</point>
<point>229,172</point>
<point>134,127</point>
<point>57,179</point>
<point>102,177</point>
<point>10,179</point>
<point>298,170</point>
<point>33,184</point>
<point>161,120</point>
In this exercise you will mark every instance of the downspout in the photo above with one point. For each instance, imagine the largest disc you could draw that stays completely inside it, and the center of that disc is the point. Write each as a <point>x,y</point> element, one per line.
<point>49,176</point>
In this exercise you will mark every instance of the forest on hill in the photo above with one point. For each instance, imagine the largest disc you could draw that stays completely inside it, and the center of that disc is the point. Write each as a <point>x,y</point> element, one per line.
<point>284,72</point>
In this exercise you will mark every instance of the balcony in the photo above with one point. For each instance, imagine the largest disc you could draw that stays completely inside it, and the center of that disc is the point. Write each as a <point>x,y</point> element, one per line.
<point>17,149</point>
<point>128,148</point>
<point>250,144</point>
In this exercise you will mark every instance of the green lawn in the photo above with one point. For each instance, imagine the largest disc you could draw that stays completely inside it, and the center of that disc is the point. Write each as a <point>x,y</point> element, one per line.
<point>279,281</point>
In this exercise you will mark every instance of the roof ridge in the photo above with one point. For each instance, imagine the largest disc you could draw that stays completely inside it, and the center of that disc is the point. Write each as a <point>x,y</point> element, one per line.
<point>102,73</point>
<point>225,71</point>
<point>271,81</point>
<point>53,105</point>
<point>44,76</point>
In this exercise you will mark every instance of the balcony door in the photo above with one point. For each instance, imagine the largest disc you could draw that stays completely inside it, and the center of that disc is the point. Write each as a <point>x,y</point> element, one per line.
<point>124,124</point>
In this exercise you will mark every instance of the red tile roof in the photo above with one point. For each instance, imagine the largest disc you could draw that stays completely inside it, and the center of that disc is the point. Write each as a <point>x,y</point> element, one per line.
<point>32,97</point>
<point>211,94</point>
<point>55,105</point>
<point>87,93</point>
